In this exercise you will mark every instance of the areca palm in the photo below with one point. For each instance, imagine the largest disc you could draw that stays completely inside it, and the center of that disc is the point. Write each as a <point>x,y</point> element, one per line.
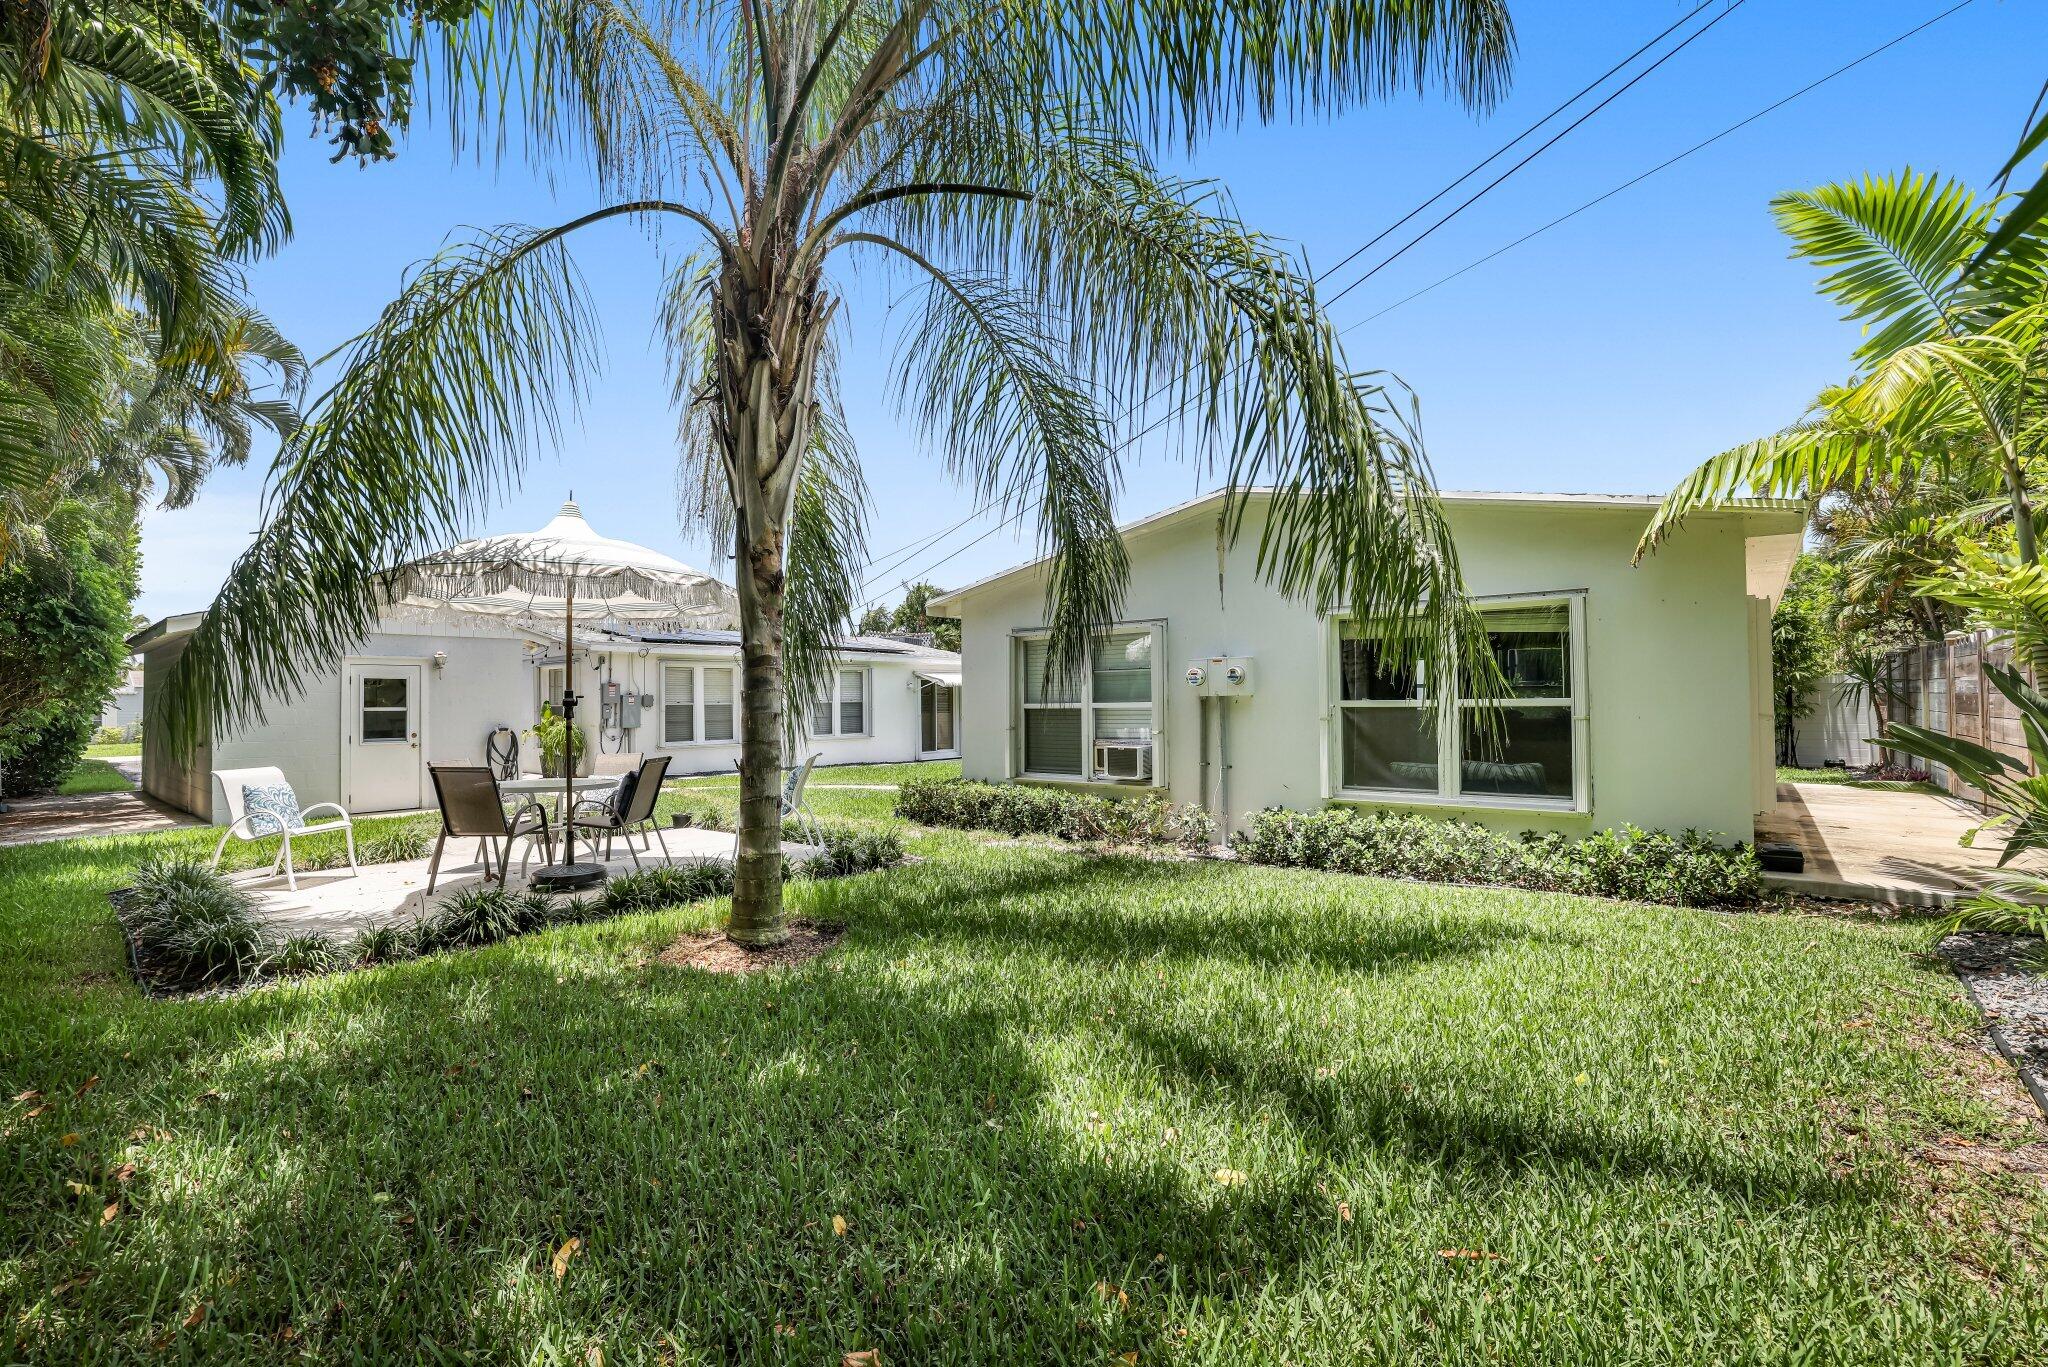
<point>1954,366</point>
<point>996,155</point>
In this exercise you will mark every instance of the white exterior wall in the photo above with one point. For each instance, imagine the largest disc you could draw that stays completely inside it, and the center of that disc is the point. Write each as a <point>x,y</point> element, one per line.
<point>892,716</point>
<point>1837,730</point>
<point>1668,649</point>
<point>485,683</point>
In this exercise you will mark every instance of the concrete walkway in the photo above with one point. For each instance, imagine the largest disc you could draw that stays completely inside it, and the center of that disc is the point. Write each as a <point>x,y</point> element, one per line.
<point>339,905</point>
<point>32,820</point>
<point>1900,849</point>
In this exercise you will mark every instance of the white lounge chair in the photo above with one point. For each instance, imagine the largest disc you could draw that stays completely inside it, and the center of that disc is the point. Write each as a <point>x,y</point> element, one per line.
<point>229,785</point>
<point>793,806</point>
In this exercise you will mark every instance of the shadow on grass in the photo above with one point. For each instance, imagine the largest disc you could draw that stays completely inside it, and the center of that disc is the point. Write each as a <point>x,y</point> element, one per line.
<point>385,1163</point>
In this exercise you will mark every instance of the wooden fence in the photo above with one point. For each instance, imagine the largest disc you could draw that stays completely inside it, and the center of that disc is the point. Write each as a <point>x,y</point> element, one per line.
<point>1941,686</point>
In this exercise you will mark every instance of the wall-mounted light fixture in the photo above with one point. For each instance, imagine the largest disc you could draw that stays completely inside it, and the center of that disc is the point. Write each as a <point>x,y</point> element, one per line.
<point>440,660</point>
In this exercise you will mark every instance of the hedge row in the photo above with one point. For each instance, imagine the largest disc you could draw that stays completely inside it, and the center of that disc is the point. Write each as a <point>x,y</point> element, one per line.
<point>1688,870</point>
<point>1014,809</point>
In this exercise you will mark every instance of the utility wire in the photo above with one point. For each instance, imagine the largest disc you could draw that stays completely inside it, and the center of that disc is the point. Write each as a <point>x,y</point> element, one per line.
<point>1703,144</point>
<point>905,552</point>
<point>1467,203</point>
<point>1666,164</point>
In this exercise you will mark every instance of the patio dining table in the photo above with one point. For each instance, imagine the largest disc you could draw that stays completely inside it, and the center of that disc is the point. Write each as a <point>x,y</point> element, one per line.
<point>544,788</point>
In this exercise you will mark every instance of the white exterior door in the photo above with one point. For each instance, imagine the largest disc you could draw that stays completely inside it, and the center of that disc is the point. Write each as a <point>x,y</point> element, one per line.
<point>381,737</point>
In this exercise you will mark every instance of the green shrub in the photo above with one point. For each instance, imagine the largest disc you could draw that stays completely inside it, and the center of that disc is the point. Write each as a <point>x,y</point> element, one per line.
<point>303,954</point>
<point>409,841</point>
<point>666,885</point>
<point>852,849</point>
<point>477,915</point>
<point>384,945</point>
<point>1015,809</point>
<point>1637,865</point>
<point>191,926</point>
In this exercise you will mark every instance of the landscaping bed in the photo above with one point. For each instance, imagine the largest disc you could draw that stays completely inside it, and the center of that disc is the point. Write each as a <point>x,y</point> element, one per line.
<point>2003,975</point>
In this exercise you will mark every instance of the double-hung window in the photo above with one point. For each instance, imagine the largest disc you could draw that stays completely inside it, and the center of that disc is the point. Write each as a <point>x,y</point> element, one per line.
<point>1099,723</point>
<point>696,703</point>
<point>841,709</point>
<point>1405,737</point>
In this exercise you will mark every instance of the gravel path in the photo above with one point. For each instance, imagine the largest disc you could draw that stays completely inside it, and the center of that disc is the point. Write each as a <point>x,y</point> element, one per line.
<point>1999,974</point>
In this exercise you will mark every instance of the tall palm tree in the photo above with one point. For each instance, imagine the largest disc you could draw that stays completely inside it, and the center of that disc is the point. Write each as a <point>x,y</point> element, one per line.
<point>1954,363</point>
<point>999,156</point>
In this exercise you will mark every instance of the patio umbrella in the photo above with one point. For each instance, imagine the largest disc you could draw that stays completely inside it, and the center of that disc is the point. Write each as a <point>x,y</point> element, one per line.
<point>543,575</point>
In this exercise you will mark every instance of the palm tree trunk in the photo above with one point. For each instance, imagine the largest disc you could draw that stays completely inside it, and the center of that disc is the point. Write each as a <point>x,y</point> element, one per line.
<point>757,873</point>
<point>2022,512</point>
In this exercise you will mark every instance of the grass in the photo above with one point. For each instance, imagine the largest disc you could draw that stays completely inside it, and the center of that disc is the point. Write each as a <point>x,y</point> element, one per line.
<point>1067,1108</point>
<point>94,776</point>
<point>127,749</point>
<point>842,775</point>
<point>1847,779</point>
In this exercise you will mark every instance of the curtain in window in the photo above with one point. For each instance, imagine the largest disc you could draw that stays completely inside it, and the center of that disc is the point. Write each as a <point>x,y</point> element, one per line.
<point>678,692</point>
<point>718,690</point>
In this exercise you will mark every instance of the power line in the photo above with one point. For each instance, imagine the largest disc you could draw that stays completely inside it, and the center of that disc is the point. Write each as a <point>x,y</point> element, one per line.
<point>1467,203</point>
<point>1666,164</point>
<point>911,548</point>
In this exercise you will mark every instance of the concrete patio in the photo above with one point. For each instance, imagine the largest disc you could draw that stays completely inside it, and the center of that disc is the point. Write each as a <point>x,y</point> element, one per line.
<point>337,904</point>
<point>1895,848</point>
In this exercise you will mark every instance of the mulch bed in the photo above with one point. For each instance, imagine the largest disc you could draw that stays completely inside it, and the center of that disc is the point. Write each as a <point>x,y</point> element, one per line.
<point>711,952</point>
<point>1999,973</point>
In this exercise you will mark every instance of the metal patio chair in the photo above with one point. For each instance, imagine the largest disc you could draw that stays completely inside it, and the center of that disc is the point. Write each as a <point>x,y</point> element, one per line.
<point>627,809</point>
<point>472,806</point>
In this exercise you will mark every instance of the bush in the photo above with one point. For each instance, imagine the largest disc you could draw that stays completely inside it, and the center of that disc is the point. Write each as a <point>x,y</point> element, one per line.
<point>1014,809</point>
<point>409,841</point>
<point>666,885</point>
<point>852,849</point>
<point>191,926</point>
<point>477,915</point>
<point>384,945</point>
<point>303,954</point>
<point>1634,864</point>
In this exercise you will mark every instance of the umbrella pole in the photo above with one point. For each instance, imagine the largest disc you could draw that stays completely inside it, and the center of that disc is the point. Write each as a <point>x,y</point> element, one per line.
<point>568,875</point>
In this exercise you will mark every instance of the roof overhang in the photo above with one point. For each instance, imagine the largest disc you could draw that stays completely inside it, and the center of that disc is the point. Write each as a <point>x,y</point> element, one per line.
<point>165,631</point>
<point>1766,519</point>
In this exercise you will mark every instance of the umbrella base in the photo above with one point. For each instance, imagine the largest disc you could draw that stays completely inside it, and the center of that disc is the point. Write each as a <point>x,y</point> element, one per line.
<point>567,877</point>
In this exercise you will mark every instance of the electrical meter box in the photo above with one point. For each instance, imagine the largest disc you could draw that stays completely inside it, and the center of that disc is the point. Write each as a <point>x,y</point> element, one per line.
<point>1221,676</point>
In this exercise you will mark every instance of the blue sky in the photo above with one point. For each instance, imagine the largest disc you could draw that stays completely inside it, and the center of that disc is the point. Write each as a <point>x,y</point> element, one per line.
<point>1611,354</point>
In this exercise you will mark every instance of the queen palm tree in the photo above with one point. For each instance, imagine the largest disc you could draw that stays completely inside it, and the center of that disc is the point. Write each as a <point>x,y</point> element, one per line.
<point>1955,371</point>
<point>996,155</point>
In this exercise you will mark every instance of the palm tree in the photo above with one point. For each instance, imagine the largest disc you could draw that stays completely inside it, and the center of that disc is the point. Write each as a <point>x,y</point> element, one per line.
<point>998,155</point>
<point>1955,367</point>
<point>137,165</point>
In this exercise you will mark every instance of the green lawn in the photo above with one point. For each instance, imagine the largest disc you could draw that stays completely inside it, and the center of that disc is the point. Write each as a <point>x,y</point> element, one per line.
<point>841,775</point>
<point>94,776</point>
<point>1844,778</point>
<point>127,749</point>
<point>1069,1108</point>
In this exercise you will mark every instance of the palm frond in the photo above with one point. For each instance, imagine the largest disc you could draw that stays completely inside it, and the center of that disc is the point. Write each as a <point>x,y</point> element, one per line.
<point>439,407</point>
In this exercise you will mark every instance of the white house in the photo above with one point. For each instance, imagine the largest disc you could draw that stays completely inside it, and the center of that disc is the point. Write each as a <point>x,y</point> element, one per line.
<point>431,686</point>
<point>1642,694</point>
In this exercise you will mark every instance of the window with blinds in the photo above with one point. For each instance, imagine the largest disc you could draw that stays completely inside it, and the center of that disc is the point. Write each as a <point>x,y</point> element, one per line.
<point>1099,722</point>
<point>678,704</point>
<point>842,708</point>
<point>1397,735</point>
<point>718,692</point>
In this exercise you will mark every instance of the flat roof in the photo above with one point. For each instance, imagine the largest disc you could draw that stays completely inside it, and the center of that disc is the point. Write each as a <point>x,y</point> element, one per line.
<point>1640,504</point>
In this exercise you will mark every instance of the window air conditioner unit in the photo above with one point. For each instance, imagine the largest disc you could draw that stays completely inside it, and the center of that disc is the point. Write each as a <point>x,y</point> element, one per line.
<point>1128,760</point>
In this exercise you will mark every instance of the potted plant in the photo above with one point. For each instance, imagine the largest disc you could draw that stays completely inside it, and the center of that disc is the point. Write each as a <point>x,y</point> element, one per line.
<point>551,733</point>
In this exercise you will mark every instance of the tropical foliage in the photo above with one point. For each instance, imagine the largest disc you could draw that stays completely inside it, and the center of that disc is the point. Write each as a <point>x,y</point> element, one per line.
<point>1804,646</point>
<point>1954,373</point>
<point>63,617</point>
<point>1000,160</point>
<point>913,614</point>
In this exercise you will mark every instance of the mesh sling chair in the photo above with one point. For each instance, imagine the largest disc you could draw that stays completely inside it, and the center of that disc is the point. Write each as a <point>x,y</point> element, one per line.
<point>791,805</point>
<point>626,809</point>
<point>471,806</point>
